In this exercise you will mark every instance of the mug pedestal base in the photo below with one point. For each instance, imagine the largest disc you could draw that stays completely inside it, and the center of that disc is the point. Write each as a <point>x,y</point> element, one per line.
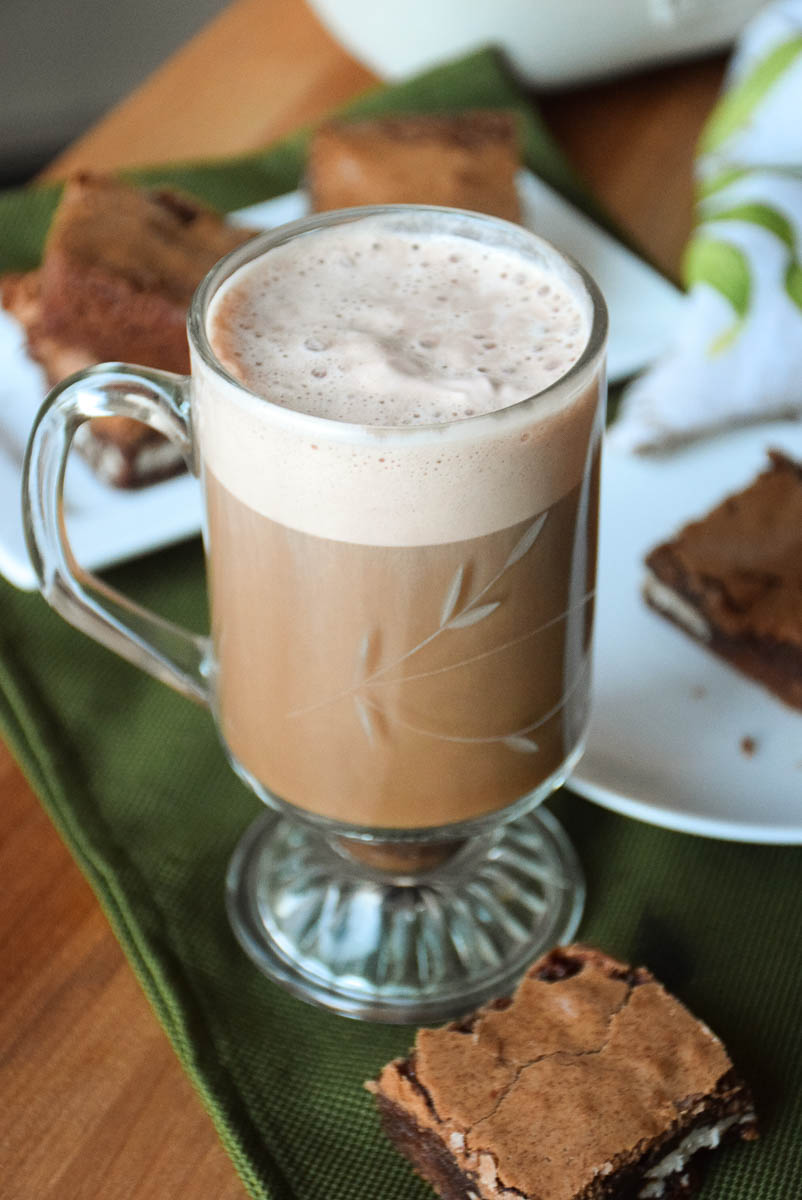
<point>407,948</point>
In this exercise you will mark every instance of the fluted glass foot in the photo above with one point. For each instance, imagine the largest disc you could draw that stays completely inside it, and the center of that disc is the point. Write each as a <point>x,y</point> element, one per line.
<point>407,939</point>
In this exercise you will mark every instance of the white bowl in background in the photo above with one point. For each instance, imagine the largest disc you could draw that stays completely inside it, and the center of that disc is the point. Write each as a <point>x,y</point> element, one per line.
<point>549,42</point>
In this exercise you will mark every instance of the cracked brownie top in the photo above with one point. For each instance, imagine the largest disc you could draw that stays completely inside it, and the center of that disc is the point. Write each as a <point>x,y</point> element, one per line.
<point>569,1080</point>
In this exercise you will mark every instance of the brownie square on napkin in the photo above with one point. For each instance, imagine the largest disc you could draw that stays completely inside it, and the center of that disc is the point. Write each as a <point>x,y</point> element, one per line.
<point>591,1083</point>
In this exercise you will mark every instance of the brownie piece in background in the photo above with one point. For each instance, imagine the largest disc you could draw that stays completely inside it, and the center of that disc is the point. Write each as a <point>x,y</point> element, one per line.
<point>119,270</point>
<point>590,1083</point>
<point>733,580</point>
<point>462,160</point>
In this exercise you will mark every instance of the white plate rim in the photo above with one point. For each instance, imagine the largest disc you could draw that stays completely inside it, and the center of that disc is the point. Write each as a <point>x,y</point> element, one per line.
<point>744,450</point>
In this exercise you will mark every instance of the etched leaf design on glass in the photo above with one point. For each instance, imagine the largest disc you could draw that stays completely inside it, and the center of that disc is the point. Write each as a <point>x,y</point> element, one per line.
<point>452,595</point>
<point>523,745</point>
<point>367,656</point>
<point>473,611</point>
<point>365,718</point>
<point>471,615</point>
<point>526,542</point>
<point>371,674</point>
<point>361,664</point>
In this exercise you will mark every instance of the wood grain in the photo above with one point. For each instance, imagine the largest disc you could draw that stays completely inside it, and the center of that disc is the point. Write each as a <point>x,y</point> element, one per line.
<point>95,1103</point>
<point>633,141</point>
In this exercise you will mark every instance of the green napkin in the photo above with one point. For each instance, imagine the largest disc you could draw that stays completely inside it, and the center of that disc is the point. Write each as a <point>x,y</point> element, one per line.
<point>138,787</point>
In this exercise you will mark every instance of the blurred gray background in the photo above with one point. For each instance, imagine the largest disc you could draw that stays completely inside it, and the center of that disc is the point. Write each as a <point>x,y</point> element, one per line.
<point>64,62</point>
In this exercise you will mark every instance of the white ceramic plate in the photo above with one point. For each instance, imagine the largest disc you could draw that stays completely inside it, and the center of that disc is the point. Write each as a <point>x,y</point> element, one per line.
<point>107,525</point>
<point>668,717</point>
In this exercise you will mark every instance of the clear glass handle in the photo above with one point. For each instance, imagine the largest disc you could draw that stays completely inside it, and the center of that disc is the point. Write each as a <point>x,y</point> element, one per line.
<point>161,400</point>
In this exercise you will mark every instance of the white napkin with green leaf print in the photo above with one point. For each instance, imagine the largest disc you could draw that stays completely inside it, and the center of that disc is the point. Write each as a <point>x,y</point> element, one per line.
<point>736,355</point>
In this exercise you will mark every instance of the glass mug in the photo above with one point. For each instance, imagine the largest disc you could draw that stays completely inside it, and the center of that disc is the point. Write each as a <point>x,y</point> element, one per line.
<point>399,657</point>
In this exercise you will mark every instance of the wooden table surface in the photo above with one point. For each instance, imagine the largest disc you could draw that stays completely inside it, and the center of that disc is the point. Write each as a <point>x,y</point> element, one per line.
<point>95,1104</point>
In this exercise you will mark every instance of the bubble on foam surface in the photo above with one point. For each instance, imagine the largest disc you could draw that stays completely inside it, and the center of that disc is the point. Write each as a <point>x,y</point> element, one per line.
<point>367,329</point>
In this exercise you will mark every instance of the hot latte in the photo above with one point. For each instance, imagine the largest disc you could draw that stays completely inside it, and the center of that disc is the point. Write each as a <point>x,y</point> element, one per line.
<point>401,544</point>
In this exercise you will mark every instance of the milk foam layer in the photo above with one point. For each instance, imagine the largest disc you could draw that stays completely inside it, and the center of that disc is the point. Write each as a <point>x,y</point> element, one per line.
<point>381,327</point>
<point>416,477</point>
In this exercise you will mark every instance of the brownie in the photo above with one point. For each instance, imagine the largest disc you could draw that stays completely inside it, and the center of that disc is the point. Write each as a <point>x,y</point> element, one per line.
<point>462,160</point>
<point>119,270</point>
<point>733,580</point>
<point>590,1082</point>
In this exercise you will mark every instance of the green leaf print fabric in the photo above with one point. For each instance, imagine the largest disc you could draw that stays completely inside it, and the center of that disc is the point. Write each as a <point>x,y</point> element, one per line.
<point>737,352</point>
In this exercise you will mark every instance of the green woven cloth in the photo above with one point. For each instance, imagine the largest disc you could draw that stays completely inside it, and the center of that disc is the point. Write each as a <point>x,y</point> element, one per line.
<point>138,787</point>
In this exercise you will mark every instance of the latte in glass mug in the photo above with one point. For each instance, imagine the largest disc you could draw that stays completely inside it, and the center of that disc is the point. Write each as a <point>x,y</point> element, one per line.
<point>401,593</point>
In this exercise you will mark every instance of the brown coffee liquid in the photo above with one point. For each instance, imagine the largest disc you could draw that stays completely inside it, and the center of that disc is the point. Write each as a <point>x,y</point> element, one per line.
<point>402,686</point>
